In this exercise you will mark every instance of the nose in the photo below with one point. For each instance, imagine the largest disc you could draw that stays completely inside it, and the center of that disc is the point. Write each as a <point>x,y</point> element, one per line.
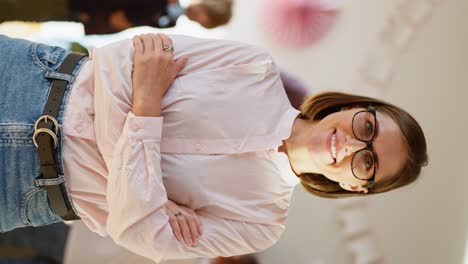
<point>352,145</point>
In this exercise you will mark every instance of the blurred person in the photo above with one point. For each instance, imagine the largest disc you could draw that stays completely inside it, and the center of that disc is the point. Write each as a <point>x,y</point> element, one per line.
<point>111,16</point>
<point>242,259</point>
<point>179,147</point>
<point>210,13</point>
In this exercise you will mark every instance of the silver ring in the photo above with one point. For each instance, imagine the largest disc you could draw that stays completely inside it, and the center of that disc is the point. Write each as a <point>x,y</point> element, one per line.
<point>178,214</point>
<point>168,48</point>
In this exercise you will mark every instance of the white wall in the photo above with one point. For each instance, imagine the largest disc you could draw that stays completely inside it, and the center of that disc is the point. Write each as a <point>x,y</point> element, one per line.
<point>423,223</point>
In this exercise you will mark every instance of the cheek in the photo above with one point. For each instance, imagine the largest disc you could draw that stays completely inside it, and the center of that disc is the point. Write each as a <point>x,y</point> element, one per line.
<point>342,173</point>
<point>337,173</point>
<point>341,121</point>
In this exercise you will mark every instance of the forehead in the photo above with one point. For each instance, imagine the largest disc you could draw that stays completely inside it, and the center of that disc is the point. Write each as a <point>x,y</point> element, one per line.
<point>389,147</point>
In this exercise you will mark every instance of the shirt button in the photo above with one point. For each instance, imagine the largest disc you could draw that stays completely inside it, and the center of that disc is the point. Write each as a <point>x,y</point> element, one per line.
<point>79,128</point>
<point>79,125</point>
<point>135,126</point>
<point>197,147</point>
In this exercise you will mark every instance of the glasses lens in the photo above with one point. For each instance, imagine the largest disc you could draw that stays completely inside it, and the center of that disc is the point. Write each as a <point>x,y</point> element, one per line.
<point>363,164</point>
<point>364,125</point>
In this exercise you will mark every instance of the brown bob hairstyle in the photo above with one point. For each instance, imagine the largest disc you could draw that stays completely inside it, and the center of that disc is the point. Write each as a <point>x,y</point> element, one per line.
<point>323,104</point>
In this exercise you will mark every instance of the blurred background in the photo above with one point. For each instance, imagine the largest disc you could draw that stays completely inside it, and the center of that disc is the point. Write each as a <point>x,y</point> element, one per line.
<point>412,53</point>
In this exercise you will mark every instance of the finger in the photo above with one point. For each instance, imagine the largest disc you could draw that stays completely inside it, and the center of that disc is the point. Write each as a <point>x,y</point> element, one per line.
<point>199,224</point>
<point>158,44</point>
<point>180,64</point>
<point>137,44</point>
<point>193,228</point>
<point>166,41</point>
<point>185,230</point>
<point>148,43</point>
<point>174,225</point>
<point>195,220</point>
<point>91,50</point>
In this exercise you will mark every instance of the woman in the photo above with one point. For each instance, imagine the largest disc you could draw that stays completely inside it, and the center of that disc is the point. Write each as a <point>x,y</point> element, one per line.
<point>199,165</point>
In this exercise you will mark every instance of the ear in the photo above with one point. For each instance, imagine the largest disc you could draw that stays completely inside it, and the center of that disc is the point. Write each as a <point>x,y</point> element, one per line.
<point>353,188</point>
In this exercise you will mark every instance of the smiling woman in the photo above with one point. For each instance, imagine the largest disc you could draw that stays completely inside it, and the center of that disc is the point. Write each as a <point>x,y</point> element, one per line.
<point>179,147</point>
<point>347,145</point>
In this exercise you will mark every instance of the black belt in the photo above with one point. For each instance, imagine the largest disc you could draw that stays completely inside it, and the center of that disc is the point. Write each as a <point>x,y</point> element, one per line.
<point>46,140</point>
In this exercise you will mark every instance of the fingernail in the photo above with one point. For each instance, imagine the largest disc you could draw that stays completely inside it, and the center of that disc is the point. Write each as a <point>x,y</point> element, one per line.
<point>189,242</point>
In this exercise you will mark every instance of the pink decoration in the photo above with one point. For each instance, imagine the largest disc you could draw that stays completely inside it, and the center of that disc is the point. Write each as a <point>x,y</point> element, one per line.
<point>298,22</point>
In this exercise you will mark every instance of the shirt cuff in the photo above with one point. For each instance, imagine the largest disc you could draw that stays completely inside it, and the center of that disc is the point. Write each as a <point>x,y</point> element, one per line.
<point>143,127</point>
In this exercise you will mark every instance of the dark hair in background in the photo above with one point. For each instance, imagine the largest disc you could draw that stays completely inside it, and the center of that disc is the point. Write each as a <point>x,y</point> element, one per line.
<point>242,259</point>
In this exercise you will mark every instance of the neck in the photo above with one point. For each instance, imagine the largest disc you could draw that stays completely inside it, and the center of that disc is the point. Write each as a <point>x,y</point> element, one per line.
<point>294,147</point>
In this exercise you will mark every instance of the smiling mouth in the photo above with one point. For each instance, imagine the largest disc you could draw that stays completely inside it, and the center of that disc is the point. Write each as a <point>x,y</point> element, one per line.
<point>333,153</point>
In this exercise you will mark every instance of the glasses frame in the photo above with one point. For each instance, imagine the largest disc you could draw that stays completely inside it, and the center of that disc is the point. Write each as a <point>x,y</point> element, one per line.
<point>369,144</point>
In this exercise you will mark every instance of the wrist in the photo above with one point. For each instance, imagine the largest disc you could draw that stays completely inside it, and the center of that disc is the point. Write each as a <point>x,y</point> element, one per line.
<point>147,109</point>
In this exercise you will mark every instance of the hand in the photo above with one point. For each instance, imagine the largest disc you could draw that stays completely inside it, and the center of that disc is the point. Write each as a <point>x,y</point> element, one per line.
<point>184,223</point>
<point>153,73</point>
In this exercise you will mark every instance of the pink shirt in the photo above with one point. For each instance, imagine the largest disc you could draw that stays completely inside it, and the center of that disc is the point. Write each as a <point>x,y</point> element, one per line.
<point>213,150</point>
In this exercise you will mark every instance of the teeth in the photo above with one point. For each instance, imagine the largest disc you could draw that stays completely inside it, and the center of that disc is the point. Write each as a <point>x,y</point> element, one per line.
<point>333,147</point>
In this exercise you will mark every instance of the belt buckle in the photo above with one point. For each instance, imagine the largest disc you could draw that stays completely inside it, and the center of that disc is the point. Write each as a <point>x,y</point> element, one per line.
<point>37,131</point>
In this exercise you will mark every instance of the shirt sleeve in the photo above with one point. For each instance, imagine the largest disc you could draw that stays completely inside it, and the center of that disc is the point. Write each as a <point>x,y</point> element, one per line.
<point>136,196</point>
<point>152,237</point>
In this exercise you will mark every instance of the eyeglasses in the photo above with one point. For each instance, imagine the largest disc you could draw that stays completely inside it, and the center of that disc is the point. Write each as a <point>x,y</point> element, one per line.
<point>364,129</point>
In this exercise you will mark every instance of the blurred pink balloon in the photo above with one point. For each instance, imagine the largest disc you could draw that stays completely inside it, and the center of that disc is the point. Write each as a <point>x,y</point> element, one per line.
<point>298,22</point>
